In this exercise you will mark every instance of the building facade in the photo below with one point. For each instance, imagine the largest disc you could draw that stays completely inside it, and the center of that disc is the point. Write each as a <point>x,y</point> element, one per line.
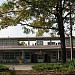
<point>33,49</point>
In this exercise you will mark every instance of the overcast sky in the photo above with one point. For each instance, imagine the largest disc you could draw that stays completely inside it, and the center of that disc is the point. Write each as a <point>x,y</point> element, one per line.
<point>1,1</point>
<point>13,31</point>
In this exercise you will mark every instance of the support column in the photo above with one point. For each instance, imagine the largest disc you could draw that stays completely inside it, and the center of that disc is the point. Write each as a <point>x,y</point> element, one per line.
<point>71,38</point>
<point>58,55</point>
<point>22,54</point>
<point>28,42</point>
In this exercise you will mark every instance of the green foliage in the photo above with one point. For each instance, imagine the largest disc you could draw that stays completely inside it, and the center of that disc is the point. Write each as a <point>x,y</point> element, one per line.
<point>12,72</point>
<point>3,68</point>
<point>42,13</point>
<point>40,32</point>
<point>7,6</point>
<point>69,66</point>
<point>6,70</point>
<point>27,10</point>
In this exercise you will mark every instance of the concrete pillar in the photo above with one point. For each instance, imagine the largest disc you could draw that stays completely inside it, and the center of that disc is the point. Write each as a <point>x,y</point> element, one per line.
<point>58,54</point>
<point>28,42</point>
<point>22,54</point>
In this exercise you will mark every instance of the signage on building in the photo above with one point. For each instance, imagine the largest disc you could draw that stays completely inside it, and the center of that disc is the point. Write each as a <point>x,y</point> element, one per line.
<point>40,52</point>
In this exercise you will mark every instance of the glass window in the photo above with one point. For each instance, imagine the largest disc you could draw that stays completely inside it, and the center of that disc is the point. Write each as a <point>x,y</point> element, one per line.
<point>40,56</point>
<point>39,42</point>
<point>54,55</point>
<point>11,55</point>
<point>27,55</point>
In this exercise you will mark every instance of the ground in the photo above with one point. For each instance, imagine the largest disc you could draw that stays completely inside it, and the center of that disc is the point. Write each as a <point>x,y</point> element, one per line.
<point>25,69</point>
<point>20,66</point>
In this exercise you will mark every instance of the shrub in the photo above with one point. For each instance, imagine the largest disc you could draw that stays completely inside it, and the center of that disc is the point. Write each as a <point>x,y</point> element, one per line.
<point>68,66</point>
<point>12,72</point>
<point>3,68</point>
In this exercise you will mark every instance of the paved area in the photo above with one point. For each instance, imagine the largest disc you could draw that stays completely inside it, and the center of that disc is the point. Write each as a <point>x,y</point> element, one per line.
<point>20,67</point>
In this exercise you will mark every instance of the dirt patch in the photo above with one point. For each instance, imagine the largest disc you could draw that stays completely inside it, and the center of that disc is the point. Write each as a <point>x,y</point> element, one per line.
<point>32,72</point>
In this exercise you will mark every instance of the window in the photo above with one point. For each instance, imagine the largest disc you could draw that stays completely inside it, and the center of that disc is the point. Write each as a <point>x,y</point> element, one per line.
<point>11,55</point>
<point>27,55</point>
<point>39,42</point>
<point>40,56</point>
<point>59,43</point>
<point>54,54</point>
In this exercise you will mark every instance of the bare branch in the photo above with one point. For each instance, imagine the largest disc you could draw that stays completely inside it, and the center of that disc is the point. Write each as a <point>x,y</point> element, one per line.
<point>66,15</point>
<point>41,27</point>
<point>13,11</point>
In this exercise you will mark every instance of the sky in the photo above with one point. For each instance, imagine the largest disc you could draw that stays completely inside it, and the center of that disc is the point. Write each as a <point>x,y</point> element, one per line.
<point>1,1</point>
<point>16,31</point>
<point>13,31</point>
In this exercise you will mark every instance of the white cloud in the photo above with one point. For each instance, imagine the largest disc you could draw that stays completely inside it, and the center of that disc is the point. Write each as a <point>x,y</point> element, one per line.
<point>1,1</point>
<point>13,31</point>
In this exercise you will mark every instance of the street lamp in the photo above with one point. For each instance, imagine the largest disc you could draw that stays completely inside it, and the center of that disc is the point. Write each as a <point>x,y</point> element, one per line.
<point>71,37</point>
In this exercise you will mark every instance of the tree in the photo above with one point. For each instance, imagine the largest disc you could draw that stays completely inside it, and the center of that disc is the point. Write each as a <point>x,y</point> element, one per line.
<point>41,14</point>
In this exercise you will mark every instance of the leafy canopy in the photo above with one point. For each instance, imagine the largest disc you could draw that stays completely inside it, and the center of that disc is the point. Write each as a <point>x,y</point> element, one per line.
<point>34,13</point>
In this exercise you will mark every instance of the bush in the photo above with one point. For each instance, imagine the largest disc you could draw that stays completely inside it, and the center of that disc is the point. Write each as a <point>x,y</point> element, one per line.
<point>68,66</point>
<point>6,70</point>
<point>12,72</point>
<point>3,68</point>
<point>46,66</point>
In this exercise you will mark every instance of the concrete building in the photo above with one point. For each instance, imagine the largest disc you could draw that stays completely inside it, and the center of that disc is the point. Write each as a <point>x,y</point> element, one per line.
<point>33,49</point>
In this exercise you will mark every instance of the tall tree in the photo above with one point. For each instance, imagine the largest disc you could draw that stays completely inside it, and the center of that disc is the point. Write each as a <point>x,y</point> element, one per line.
<point>40,14</point>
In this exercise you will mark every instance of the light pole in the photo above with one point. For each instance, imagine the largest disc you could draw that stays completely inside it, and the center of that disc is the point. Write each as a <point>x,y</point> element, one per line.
<point>71,38</point>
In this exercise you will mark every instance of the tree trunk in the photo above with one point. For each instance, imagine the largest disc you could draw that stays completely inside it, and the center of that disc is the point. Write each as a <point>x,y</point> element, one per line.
<point>62,38</point>
<point>61,30</point>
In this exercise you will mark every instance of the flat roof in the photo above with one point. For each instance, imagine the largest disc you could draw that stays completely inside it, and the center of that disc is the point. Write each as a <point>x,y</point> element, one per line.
<point>40,47</point>
<point>32,38</point>
<point>28,47</point>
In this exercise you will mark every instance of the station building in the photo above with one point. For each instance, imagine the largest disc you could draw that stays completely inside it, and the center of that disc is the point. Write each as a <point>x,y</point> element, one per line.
<point>33,49</point>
